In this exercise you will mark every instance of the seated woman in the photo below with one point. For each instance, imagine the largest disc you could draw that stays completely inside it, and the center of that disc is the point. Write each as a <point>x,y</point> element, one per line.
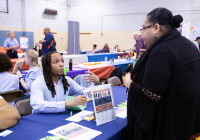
<point>35,70</point>
<point>8,81</point>
<point>94,49</point>
<point>9,115</point>
<point>105,48</point>
<point>49,90</point>
<point>37,49</point>
<point>117,48</point>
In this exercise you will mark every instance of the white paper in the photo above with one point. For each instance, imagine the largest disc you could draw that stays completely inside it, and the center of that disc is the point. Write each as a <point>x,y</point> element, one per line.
<point>74,131</point>
<point>77,117</point>
<point>103,104</point>
<point>24,43</point>
<point>121,112</point>
<point>5,133</point>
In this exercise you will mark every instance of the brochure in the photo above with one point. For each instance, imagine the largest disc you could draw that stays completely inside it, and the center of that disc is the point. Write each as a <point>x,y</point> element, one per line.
<point>103,104</point>
<point>73,131</point>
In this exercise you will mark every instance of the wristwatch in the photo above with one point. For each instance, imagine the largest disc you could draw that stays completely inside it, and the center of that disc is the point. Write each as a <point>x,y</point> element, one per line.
<point>20,78</point>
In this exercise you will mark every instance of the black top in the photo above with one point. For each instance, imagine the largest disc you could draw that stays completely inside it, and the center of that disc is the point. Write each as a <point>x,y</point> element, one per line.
<point>164,98</point>
<point>40,52</point>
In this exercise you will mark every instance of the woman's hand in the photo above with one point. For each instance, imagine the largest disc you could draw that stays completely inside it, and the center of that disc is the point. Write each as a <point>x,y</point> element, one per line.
<point>16,47</point>
<point>141,52</point>
<point>127,80</point>
<point>91,78</point>
<point>19,73</point>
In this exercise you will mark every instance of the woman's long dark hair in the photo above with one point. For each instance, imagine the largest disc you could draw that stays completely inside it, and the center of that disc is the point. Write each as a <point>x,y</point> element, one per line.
<point>46,64</point>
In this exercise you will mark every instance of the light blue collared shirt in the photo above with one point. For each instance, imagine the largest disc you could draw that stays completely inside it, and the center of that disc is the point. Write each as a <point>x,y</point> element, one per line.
<point>34,72</point>
<point>10,43</point>
<point>8,82</point>
<point>82,82</point>
<point>42,100</point>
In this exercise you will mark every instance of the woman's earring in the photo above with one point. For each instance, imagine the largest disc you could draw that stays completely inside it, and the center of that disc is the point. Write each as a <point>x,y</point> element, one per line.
<point>155,37</point>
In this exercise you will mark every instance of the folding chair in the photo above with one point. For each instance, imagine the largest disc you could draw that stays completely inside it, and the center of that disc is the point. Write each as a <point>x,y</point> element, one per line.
<point>11,96</point>
<point>24,107</point>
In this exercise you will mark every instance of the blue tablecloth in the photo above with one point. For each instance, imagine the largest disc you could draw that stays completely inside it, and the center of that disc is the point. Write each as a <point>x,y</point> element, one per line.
<point>36,126</point>
<point>97,57</point>
<point>123,64</point>
<point>85,52</point>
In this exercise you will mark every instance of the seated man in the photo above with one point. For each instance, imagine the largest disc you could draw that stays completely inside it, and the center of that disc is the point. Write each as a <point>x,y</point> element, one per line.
<point>9,115</point>
<point>139,43</point>
<point>49,90</point>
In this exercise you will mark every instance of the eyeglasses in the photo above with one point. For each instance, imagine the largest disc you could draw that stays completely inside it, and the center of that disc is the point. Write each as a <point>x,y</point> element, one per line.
<point>142,30</point>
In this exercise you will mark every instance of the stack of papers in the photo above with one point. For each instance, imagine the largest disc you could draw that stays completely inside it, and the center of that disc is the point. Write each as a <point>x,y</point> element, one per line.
<point>73,131</point>
<point>5,133</point>
<point>121,112</point>
<point>80,116</point>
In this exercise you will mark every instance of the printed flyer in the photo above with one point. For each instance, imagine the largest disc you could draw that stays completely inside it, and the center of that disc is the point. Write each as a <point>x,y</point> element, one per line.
<point>24,43</point>
<point>103,104</point>
<point>73,131</point>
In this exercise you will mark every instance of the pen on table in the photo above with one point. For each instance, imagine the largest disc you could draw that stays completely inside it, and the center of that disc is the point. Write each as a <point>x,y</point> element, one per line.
<point>71,113</point>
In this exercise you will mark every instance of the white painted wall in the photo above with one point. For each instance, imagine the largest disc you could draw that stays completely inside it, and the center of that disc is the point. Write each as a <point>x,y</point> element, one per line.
<point>93,15</point>
<point>35,19</point>
<point>106,15</point>
<point>28,14</point>
<point>13,19</point>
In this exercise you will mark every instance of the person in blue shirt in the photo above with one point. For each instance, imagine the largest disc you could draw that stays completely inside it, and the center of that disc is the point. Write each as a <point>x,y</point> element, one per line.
<point>8,81</point>
<point>49,90</point>
<point>11,45</point>
<point>35,70</point>
<point>48,44</point>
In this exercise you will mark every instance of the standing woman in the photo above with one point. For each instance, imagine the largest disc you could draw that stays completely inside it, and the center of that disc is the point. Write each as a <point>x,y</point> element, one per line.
<point>11,45</point>
<point>35,70</point>
<point>163,99</point>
